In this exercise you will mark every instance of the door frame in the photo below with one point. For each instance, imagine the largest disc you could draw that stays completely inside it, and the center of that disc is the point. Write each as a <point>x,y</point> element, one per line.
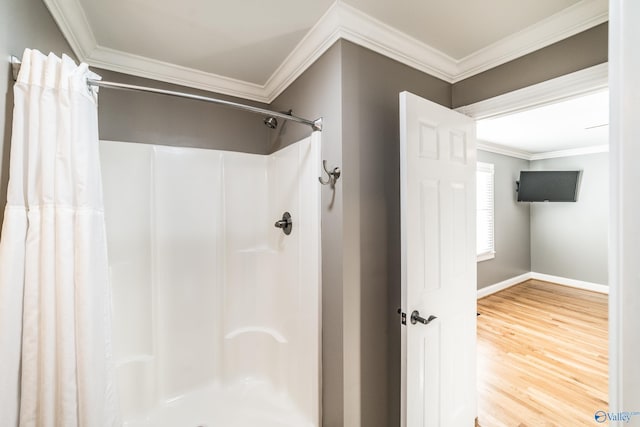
<point>561,88</point>
<point>622,35</point>
<point>624,205</point>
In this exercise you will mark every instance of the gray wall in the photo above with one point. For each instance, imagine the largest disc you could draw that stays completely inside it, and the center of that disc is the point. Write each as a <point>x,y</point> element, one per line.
<point>371,149</point>
<point>512,223</point>
<point>159,119</point>
<point>23,23</point>
<point>570,239</point>
<point>572,54</point>
<point>357,91</point>
<point>561,239</point>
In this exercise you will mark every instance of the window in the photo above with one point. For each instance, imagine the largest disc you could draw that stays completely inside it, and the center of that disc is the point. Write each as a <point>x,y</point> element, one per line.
<point>485,247</point>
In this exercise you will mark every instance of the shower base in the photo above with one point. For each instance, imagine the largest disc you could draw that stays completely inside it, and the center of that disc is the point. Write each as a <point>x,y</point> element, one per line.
<point>247,404</point>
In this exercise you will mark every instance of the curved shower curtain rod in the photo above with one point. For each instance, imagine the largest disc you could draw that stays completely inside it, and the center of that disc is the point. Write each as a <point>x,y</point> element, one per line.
<point>315,125</point>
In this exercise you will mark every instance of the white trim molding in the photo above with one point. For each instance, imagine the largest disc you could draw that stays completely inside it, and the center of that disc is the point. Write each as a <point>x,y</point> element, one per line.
<point>341,21</point>
<point>565,87</point>
<point>135,65</point>
<point>624,207</point>
<point>505,284</point>
<point>73,23</point>
<point>504,150</point>
<point>526,155</point>
<point>345,22</point>
<point>594,149</point>
<point>579,83</point>
<point>485,256</point>
<point>580,284</point>
<point>566,23</point>
<point>500,286</point>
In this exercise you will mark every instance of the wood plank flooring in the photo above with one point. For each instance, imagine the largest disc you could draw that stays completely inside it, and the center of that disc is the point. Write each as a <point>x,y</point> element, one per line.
<point>542,356</point>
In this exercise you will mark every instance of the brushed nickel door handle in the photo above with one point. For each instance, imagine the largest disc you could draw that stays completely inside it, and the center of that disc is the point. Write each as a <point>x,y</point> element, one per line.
<point>415,318</point>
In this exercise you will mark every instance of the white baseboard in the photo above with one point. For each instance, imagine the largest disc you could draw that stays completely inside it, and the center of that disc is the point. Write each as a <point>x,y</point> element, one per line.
<point>580,284</point>
<point>492,289</point>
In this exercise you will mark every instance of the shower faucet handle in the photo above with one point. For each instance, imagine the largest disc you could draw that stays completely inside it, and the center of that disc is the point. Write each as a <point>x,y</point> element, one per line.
<point>285,223</point>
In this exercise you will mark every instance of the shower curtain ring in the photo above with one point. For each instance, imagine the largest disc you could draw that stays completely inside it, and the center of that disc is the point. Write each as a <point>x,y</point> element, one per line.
<point>332,176</point>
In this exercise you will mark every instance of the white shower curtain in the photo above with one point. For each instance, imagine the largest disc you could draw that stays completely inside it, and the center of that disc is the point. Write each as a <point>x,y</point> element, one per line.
<point>55,339</point>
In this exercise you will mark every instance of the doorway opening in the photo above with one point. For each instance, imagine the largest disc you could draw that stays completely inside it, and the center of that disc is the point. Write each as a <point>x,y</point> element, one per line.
<point>543,327</point>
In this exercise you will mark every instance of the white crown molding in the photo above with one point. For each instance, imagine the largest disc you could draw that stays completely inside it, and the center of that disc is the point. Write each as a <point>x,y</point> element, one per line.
<point>312,46</point>
<point>341,21</point>
<point>345,22</point>
<point>73,23</point>
<point>368,32</point>
<point>526,155</point>
<point>504,150</point>
<point>566,23</point>
<point>135,65</point>
<point>571,152</point>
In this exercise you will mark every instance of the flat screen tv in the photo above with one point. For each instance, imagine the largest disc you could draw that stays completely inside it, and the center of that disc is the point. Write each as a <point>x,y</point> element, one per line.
<point>548,186</point>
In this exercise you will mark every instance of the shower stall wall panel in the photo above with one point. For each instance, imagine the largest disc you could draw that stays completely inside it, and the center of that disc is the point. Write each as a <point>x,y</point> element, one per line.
<point>293,173</point>
<point>216,311</point>
<point>249,298</point>
<point>126,180</point>
<point>187,266</point>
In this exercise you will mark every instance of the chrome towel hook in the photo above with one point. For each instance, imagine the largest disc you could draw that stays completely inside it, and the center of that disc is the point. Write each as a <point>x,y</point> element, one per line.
<point>332,176</point>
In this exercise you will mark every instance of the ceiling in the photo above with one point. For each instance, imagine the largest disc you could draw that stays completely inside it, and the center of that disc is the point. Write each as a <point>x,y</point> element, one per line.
<point>579,124</point>
<point>254,49</point>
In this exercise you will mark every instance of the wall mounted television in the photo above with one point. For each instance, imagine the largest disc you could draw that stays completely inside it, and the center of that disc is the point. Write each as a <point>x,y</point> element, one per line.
<point>548,186</point>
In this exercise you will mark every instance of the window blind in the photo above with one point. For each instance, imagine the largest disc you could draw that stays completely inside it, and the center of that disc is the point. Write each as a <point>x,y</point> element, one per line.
<point>485,245</point>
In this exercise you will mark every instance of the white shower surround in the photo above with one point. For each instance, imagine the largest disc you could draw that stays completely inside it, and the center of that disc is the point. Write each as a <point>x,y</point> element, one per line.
<point>216,311</point>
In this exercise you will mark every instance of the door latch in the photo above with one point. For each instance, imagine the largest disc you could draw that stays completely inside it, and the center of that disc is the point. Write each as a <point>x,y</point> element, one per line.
<point>403,316</point>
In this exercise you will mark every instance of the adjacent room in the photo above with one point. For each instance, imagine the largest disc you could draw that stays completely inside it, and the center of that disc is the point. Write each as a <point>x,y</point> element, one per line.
<point>542,263</point>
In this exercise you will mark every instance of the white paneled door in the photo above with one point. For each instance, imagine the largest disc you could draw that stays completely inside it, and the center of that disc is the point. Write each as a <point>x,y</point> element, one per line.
<point>437,167</point>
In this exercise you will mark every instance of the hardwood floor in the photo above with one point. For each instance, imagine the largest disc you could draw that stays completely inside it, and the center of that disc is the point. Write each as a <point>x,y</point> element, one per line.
<point>542,356</point>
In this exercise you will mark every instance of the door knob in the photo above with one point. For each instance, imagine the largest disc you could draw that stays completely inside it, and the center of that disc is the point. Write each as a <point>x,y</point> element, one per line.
<point>415,318</point>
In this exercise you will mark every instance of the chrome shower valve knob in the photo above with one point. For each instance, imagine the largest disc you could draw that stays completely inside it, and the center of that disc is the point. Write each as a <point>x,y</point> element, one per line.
<point>286,224</point>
